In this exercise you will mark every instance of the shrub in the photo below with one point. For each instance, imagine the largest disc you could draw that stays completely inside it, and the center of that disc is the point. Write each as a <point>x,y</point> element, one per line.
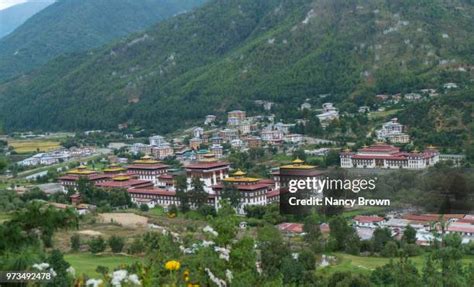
<point>116,243</point>
<point>97,244</point>
<point>75,242</point>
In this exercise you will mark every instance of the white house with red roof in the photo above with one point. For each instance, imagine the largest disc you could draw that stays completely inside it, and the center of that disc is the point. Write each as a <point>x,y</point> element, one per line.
<point>381,155</point>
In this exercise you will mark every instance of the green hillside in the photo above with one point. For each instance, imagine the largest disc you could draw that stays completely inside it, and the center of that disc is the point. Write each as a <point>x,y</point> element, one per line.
<point>78,25</point>
<point>230,52</point>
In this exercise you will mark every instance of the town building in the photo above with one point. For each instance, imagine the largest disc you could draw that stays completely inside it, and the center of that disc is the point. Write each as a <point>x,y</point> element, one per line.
<point>368,221</point>
<point>272,136</point>
<point>126,182</point>
<point>147,169</point>
<point>198,132</point>
<point>228,135</point>
<point>392,131</point>
<point>195,143</point>
<point>382,155</point>
<point>329,113</point>
<point>162,151</point>
<point>293,138</point>
<point>217,150</point>
<point>69,181</point>
<point>153,197</point>
<point>253,190</point>
<point>209,172</point>
<point>157,140</point>
<point>209,119</point>
<point>253,141</point>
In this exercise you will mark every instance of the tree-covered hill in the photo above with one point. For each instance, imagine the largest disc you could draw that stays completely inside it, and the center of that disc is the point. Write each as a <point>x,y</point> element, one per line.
<point>12,17</point>
<point>78,25</point>
<point>230,52</point>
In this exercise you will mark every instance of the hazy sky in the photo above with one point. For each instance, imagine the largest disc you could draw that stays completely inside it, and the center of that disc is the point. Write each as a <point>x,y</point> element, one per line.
<point>7,3</point>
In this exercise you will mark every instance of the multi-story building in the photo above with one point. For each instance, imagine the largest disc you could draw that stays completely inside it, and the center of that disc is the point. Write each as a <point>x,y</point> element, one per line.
<point>228,135</point>
<point>147,169</point>
<point>195,143</point>
<point>382,155</point>
<point>140,148</point>
<point>272,136</point>
<point>153,197</point>
<point>240,115</point>
<point>157,140</point>
<point>70,180</point>
<point>209,119</point>
<point>217,150</point>
<point>253,190</point>
<point>123,181</point>
<point>392,131</point>
<point>209,172</point>
<point>162,151</point>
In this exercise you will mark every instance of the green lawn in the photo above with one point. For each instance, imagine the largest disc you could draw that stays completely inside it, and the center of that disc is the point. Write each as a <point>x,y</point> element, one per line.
<point>362,264</point>
<point>368,210</point>
<point>86,263</point>
<point>4,216</point>
<point>380,115</point>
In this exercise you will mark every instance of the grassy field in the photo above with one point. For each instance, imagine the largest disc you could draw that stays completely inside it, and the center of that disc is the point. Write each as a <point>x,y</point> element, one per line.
<point>362,264</point>
<point>367,210</point>
<point>4,217</point>
<point>34,145</point>
<point>86,263</point>
<point>381,115</point>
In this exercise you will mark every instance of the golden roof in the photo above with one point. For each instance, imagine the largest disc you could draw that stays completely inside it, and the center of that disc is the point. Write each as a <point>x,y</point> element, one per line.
<point>146,160</point>
<point>239,173</point>
<point>298,161</point>
<point>239,176</point>
<point>298,164</point>
<point>81,170</point>
<point>114,168</point>
<point>121,178</point>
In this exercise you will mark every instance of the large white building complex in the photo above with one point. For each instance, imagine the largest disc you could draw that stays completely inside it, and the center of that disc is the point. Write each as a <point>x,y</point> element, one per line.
<point>382,155</point>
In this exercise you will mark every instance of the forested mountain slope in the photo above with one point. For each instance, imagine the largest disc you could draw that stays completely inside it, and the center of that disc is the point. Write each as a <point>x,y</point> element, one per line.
<point>230,52</point>
<point>78,25</point>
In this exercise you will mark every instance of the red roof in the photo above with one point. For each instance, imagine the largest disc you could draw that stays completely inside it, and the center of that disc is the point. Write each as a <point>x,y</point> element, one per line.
<point>368,219</point>
<point>381,147</point>
<point>422,218</point>
<point>267,180</point>
<point>165,176</point>
<point>291,227</point>
<point>123,184</point>
<point>273,193</point>
<point>151,191</point>
<point>244,187</point>
<point>461,227</point>
<point>206,165</point>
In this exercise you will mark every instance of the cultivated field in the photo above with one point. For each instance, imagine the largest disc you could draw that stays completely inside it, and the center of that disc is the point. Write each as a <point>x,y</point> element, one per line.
<point>124,219</point>
<point>34,145</point>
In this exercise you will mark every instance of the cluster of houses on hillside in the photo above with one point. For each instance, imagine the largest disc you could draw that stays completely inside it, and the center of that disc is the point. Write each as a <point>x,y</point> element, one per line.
<point>426,226</point>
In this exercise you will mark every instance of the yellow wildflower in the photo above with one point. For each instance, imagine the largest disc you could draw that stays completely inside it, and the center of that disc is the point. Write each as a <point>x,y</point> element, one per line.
<point>172,265</point>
